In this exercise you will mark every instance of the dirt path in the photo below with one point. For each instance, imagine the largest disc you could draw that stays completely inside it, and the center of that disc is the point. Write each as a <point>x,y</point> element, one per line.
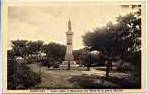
<point>57,78</point>
<point>61,76</point>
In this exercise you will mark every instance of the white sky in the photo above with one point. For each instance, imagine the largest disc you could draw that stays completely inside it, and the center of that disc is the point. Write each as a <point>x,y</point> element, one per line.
<point>49,22</point>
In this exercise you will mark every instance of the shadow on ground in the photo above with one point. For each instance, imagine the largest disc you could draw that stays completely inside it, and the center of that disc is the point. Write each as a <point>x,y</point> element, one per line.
<point>99,82</point>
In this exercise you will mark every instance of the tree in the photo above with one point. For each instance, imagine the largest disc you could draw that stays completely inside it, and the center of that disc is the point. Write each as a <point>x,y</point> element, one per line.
<point>78,56</point>
<point>24,48</point>
<point>134,39</point>
<point>19,48</point>
<point>117,41</point>
<point>20,76</point>
<point>54,52</point>
<point>34,47</point>
<point>87,58</point>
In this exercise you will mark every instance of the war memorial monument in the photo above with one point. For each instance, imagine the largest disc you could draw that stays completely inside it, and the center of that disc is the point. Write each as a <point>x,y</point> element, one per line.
<point>69,58</point>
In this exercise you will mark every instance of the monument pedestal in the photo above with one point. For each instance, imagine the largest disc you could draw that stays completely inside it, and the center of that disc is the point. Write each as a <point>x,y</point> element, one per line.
<point>73,64</point>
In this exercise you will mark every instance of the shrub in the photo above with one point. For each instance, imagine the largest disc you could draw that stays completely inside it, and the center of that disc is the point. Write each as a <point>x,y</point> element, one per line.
<point>20,76</point>
<point>124,67</point>
<point>54,86</point>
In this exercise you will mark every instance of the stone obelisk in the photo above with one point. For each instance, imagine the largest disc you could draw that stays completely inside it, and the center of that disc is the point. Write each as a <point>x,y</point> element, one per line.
<point>69,46</point>
<point>69,58</point>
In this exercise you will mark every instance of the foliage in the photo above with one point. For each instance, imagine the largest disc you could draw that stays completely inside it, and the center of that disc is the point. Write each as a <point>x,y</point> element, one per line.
<point>117,40</point>
<point>87,59</point>
<point>84,55</point>
<point>19,47</point>
<point>54,52</point>
<point>77,54</point>
<point>92,82</point>
<point>34,47</point>
<point>54,86</point>
<point>20,76</point>
<point>24,48</point>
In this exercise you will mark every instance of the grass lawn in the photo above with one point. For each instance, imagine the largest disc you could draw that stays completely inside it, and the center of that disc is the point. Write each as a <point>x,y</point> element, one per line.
<point>79,79</point>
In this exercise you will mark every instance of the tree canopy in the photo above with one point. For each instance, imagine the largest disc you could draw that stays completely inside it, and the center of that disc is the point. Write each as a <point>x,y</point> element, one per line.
<point>54,51</point>
<point>117,40</point>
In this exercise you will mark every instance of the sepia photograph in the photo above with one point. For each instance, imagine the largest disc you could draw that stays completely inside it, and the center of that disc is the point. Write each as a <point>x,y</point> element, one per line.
<point>74,45</point>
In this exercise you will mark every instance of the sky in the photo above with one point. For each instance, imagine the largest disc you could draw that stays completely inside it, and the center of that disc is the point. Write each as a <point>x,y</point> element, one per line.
<point>49,22</point>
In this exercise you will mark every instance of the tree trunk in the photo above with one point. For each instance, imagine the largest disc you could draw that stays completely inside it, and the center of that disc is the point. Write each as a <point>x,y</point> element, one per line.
<point>48,65</point>
<point>15,75</point>
<point>68,65</point>
<point>108,68</point>
<point>88,68</point>
<point>107,72</point>
<point>40,70</point>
